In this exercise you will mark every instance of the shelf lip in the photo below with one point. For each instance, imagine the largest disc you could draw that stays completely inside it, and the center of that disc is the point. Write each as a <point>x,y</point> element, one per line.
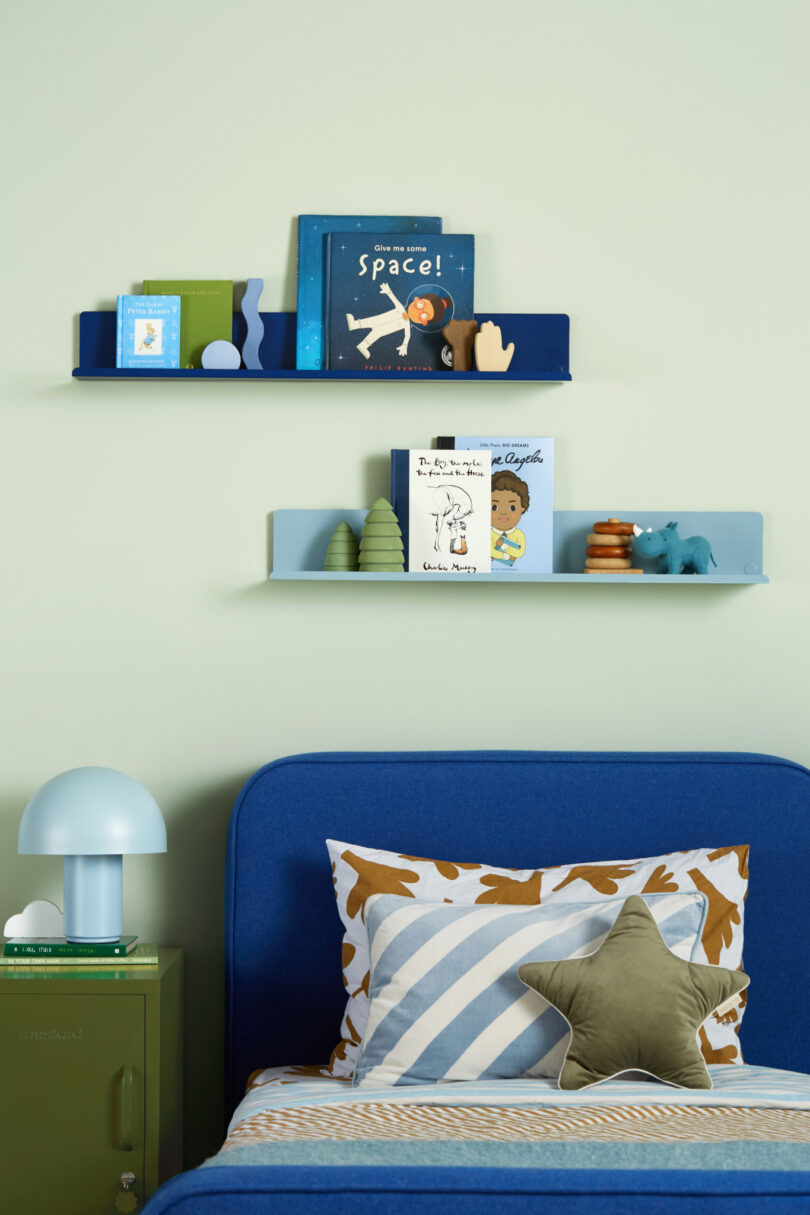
<point>541,339</point>
<point>301,538</point>
<point>633,579</point>
<point>133,373</point>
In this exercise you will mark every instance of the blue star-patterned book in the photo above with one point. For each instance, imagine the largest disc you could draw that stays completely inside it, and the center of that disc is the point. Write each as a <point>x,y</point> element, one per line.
<point>389,296</point>
<point>312,233</point>
<point>148,331</point>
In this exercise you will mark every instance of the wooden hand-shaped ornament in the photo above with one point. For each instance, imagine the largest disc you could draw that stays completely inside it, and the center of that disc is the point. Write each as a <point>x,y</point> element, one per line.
<point>489,351</point>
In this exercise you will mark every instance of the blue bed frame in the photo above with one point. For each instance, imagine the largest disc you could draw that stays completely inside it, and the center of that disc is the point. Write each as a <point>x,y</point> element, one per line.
<point>285,995</point>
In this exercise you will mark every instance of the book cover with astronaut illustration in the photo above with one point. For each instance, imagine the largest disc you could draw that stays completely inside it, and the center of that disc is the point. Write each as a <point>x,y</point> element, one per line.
<point>389,296</point>
<point>312,233</point>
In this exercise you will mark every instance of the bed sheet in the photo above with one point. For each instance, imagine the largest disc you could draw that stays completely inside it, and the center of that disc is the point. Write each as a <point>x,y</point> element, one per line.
<point>753,1118</point>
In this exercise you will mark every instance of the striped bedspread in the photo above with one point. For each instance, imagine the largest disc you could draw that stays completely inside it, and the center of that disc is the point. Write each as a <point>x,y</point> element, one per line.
<point>301,1105</point>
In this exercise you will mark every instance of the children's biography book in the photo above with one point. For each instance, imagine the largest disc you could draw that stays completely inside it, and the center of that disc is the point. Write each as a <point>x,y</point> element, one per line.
<point>522,506</point>
<point>442,502</point>
<point>312,232</point>
<point>206,313</point>
<point>147,331</point>
<point>388,299</point>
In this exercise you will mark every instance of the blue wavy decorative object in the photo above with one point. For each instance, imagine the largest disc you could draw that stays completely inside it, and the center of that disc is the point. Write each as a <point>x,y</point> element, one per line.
<point>255,325</point>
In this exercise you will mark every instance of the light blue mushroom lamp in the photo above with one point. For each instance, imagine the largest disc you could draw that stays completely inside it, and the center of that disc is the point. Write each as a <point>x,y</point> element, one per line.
<point>92,817</point>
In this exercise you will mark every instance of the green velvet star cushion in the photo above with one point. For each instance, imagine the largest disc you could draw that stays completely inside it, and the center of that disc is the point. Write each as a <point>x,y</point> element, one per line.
<point>633,1005</point>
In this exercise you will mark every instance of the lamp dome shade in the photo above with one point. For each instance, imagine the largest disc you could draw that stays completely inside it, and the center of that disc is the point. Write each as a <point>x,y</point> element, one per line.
<point>91,812</point>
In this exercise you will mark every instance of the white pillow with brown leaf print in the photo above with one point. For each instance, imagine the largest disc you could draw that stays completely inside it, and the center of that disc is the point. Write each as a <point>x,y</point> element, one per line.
<point>721,874</point>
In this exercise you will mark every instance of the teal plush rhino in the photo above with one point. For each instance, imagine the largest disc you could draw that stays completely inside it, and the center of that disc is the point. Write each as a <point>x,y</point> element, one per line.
<point>676,555</point>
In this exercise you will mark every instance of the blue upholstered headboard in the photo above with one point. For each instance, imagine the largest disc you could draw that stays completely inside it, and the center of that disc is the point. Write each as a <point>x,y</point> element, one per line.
<point>510,808</point>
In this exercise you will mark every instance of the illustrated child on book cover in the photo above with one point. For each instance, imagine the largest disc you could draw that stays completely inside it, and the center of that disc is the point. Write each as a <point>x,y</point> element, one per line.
<point>427,310</point>
<point>510,501</point>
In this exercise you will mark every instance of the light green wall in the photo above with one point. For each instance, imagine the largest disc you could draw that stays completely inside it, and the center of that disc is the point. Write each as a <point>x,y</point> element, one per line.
<point>639,164</point>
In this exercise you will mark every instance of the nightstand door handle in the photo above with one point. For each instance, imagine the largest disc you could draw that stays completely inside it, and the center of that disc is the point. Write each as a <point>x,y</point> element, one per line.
<point>126,1108</point>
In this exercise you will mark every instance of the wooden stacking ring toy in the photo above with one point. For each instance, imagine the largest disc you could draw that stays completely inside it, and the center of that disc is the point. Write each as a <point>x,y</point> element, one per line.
<point>608,550</point>
<point>610,538</point>
<point>614,527</point>
<point>607,563</point>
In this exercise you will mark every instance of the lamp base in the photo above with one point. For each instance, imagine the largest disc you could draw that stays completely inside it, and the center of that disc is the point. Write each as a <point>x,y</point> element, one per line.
<point>93,894</point>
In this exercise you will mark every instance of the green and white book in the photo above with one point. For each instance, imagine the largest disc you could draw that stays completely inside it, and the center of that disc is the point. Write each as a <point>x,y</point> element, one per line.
<point>141,955</point>
<point>61,946</point>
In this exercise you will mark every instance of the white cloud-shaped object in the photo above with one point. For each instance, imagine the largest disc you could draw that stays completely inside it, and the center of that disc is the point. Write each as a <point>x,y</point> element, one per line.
<point>39,919</point>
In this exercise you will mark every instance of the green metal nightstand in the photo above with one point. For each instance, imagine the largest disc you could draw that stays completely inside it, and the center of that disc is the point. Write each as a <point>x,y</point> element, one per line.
<point>90,1085</point>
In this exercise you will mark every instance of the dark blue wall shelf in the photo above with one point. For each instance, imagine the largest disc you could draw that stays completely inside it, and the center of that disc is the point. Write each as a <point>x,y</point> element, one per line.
<point>541,352</point>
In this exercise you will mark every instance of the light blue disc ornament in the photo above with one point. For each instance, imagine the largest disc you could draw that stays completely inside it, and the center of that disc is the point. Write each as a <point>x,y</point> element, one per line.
<point>221,356</point>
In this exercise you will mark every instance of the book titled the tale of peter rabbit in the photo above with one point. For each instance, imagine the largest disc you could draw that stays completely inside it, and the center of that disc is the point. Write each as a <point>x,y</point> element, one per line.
<point>389,295</point>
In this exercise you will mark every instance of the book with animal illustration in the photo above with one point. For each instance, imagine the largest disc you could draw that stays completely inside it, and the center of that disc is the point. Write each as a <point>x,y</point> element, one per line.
<point>522,504</point>
<point>312,232</point>
<point>207,312</point>
<point>388,297</point>
<point>147,331</point>
<point>442,504</point>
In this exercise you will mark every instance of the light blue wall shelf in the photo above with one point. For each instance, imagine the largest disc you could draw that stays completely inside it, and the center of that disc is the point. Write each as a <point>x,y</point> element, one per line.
<point>300,539</point>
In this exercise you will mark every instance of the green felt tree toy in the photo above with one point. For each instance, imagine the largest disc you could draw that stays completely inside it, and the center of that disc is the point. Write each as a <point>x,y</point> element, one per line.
<point>381,547</point>
<point>341,554</point>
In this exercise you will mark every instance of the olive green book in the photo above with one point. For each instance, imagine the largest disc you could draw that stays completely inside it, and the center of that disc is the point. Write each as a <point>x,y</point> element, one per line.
<point>142,955</point>
<point>206,312</point>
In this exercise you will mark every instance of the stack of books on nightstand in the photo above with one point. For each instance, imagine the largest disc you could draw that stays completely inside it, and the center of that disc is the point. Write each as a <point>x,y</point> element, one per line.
<point>58,951</point>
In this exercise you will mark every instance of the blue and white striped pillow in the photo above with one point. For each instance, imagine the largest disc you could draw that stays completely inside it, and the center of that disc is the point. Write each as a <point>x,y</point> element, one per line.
<point>446,1002</point>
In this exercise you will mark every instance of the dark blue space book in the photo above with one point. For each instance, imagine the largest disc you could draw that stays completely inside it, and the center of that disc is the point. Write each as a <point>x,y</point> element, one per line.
<point>388,298</point>
<point>312,232</point>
